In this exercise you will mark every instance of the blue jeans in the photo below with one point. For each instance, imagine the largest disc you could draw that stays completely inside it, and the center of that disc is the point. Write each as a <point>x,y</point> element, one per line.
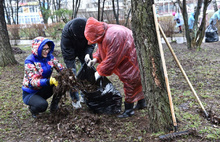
<point>75,95</point>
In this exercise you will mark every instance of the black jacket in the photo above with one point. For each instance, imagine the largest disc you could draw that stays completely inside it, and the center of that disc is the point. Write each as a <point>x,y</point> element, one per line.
<point>74,43</point>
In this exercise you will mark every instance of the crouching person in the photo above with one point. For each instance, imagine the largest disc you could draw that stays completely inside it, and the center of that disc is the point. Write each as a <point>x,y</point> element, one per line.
<point>38,83</point>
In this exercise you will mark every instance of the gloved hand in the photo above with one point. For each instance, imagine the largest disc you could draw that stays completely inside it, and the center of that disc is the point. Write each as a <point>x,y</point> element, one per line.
<point>87,58</point>
<point>92,62</point>
<point>97,76</point>
<point>53,81</point>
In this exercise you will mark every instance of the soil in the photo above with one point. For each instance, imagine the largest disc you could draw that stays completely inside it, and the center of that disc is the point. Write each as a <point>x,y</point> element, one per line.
<point>201,66</point>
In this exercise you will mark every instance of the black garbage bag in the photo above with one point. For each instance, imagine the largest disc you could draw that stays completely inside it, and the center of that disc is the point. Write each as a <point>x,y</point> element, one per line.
<point>106,99</point>
<point>211,34</point>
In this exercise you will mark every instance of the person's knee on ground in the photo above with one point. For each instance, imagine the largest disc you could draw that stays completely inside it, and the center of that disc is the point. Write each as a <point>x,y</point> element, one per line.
<point>35,110</point>
<point>128,112</point>
<point>37,104</point>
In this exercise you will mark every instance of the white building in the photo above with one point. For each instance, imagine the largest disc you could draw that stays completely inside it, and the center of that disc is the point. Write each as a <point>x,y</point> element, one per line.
<point>29,11</point>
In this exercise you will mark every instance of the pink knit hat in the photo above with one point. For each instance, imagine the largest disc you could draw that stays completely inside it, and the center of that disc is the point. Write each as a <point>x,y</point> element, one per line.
<point>174,13</point>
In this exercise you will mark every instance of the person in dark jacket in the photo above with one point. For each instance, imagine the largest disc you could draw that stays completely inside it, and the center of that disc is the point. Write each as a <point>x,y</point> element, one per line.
<point>38,83</point>
<point>74,44</point>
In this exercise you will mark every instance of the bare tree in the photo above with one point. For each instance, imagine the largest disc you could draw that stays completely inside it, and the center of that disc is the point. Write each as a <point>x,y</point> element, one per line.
<point>6,54</point>
<point>215,5</point>
<point>103,8</point>
<point>116,10</point>
<point>76,5</point>
<point>8,16</point>
<point>153,81</point>
<point>127,18</point>
<point>10,11</point>
<point>99,9</point>
<point>45,9</point>
<point>194,39</point>
<point>56,6</point>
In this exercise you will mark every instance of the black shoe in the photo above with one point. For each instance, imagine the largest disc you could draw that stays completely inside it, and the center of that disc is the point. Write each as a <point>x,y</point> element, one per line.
<point>129,111</point>
<point>34,114</point>
<point>141,104</point>
<point>54,104</point>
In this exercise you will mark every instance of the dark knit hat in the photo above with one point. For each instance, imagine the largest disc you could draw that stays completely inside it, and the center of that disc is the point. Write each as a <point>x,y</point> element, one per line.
<point>78,27</point>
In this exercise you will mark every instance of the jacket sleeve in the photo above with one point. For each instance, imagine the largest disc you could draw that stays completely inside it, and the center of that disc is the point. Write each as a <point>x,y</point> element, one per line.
<point>115,49</point>
<point>89,49</point>
<point>97,56</point>
<point>67,51</point>
<point>55,63</point>
<point>34,77</point>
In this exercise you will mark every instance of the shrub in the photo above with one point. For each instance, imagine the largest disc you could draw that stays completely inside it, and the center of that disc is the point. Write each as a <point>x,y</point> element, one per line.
<point>167,25</point>
<point>29,31</point>
<point>40,29</point>
<point>54,30</point>
<point>13,31</point>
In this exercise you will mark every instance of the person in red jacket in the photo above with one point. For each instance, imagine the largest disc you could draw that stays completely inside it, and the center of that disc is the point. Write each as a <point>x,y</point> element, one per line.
<point>116,54</point>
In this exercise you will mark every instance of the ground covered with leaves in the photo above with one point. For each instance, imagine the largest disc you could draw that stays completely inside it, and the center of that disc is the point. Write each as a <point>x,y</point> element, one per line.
<point>201,66</point>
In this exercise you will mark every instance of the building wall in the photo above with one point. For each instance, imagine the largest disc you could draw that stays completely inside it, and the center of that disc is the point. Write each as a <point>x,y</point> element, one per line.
<point>28,13</point>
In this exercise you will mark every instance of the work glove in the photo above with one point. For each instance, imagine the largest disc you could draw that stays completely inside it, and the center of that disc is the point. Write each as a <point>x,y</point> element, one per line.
<point>92,62</point>
<point>97,76</point>
<point>87,58</point>
<point>53,81</point>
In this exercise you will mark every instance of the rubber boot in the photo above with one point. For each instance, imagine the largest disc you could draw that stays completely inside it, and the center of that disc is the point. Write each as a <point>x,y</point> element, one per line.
<point>141,104</point>
<point>54,104</point>
<point>129,111</point>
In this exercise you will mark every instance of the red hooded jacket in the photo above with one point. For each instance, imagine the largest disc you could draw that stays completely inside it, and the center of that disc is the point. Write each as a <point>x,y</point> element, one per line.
<point>116,53</point>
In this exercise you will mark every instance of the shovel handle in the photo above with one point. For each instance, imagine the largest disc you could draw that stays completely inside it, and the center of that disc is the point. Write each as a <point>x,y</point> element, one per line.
<point>164,68</point>
<point>183,72</point>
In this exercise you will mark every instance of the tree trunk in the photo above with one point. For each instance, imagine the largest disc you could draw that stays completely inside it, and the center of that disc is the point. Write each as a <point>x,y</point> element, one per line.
<point>99,8</point>
<point>76,8</point>
<point>6,54</point>
<point>150,64</point>
<point>103,8</point>
<point>194,40</point>
<point>201,32</point>
<point>116,11</point>
<point>127,18</point>
<point>215,5</point>
<point>185,19</point>
<point>7,13</point>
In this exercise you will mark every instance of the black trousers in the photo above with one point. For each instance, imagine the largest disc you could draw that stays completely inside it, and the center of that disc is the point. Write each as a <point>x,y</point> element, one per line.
<point>38,102</point>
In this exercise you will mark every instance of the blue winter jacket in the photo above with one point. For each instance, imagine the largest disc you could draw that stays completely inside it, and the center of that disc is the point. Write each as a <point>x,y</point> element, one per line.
<point>37,69</point>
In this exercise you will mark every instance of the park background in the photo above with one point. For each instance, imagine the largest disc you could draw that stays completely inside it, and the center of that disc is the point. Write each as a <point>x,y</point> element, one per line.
<point>201,65</point>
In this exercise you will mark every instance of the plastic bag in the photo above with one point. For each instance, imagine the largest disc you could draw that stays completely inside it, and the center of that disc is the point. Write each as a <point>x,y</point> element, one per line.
<point>106,99</point>
<point>211,34</point>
